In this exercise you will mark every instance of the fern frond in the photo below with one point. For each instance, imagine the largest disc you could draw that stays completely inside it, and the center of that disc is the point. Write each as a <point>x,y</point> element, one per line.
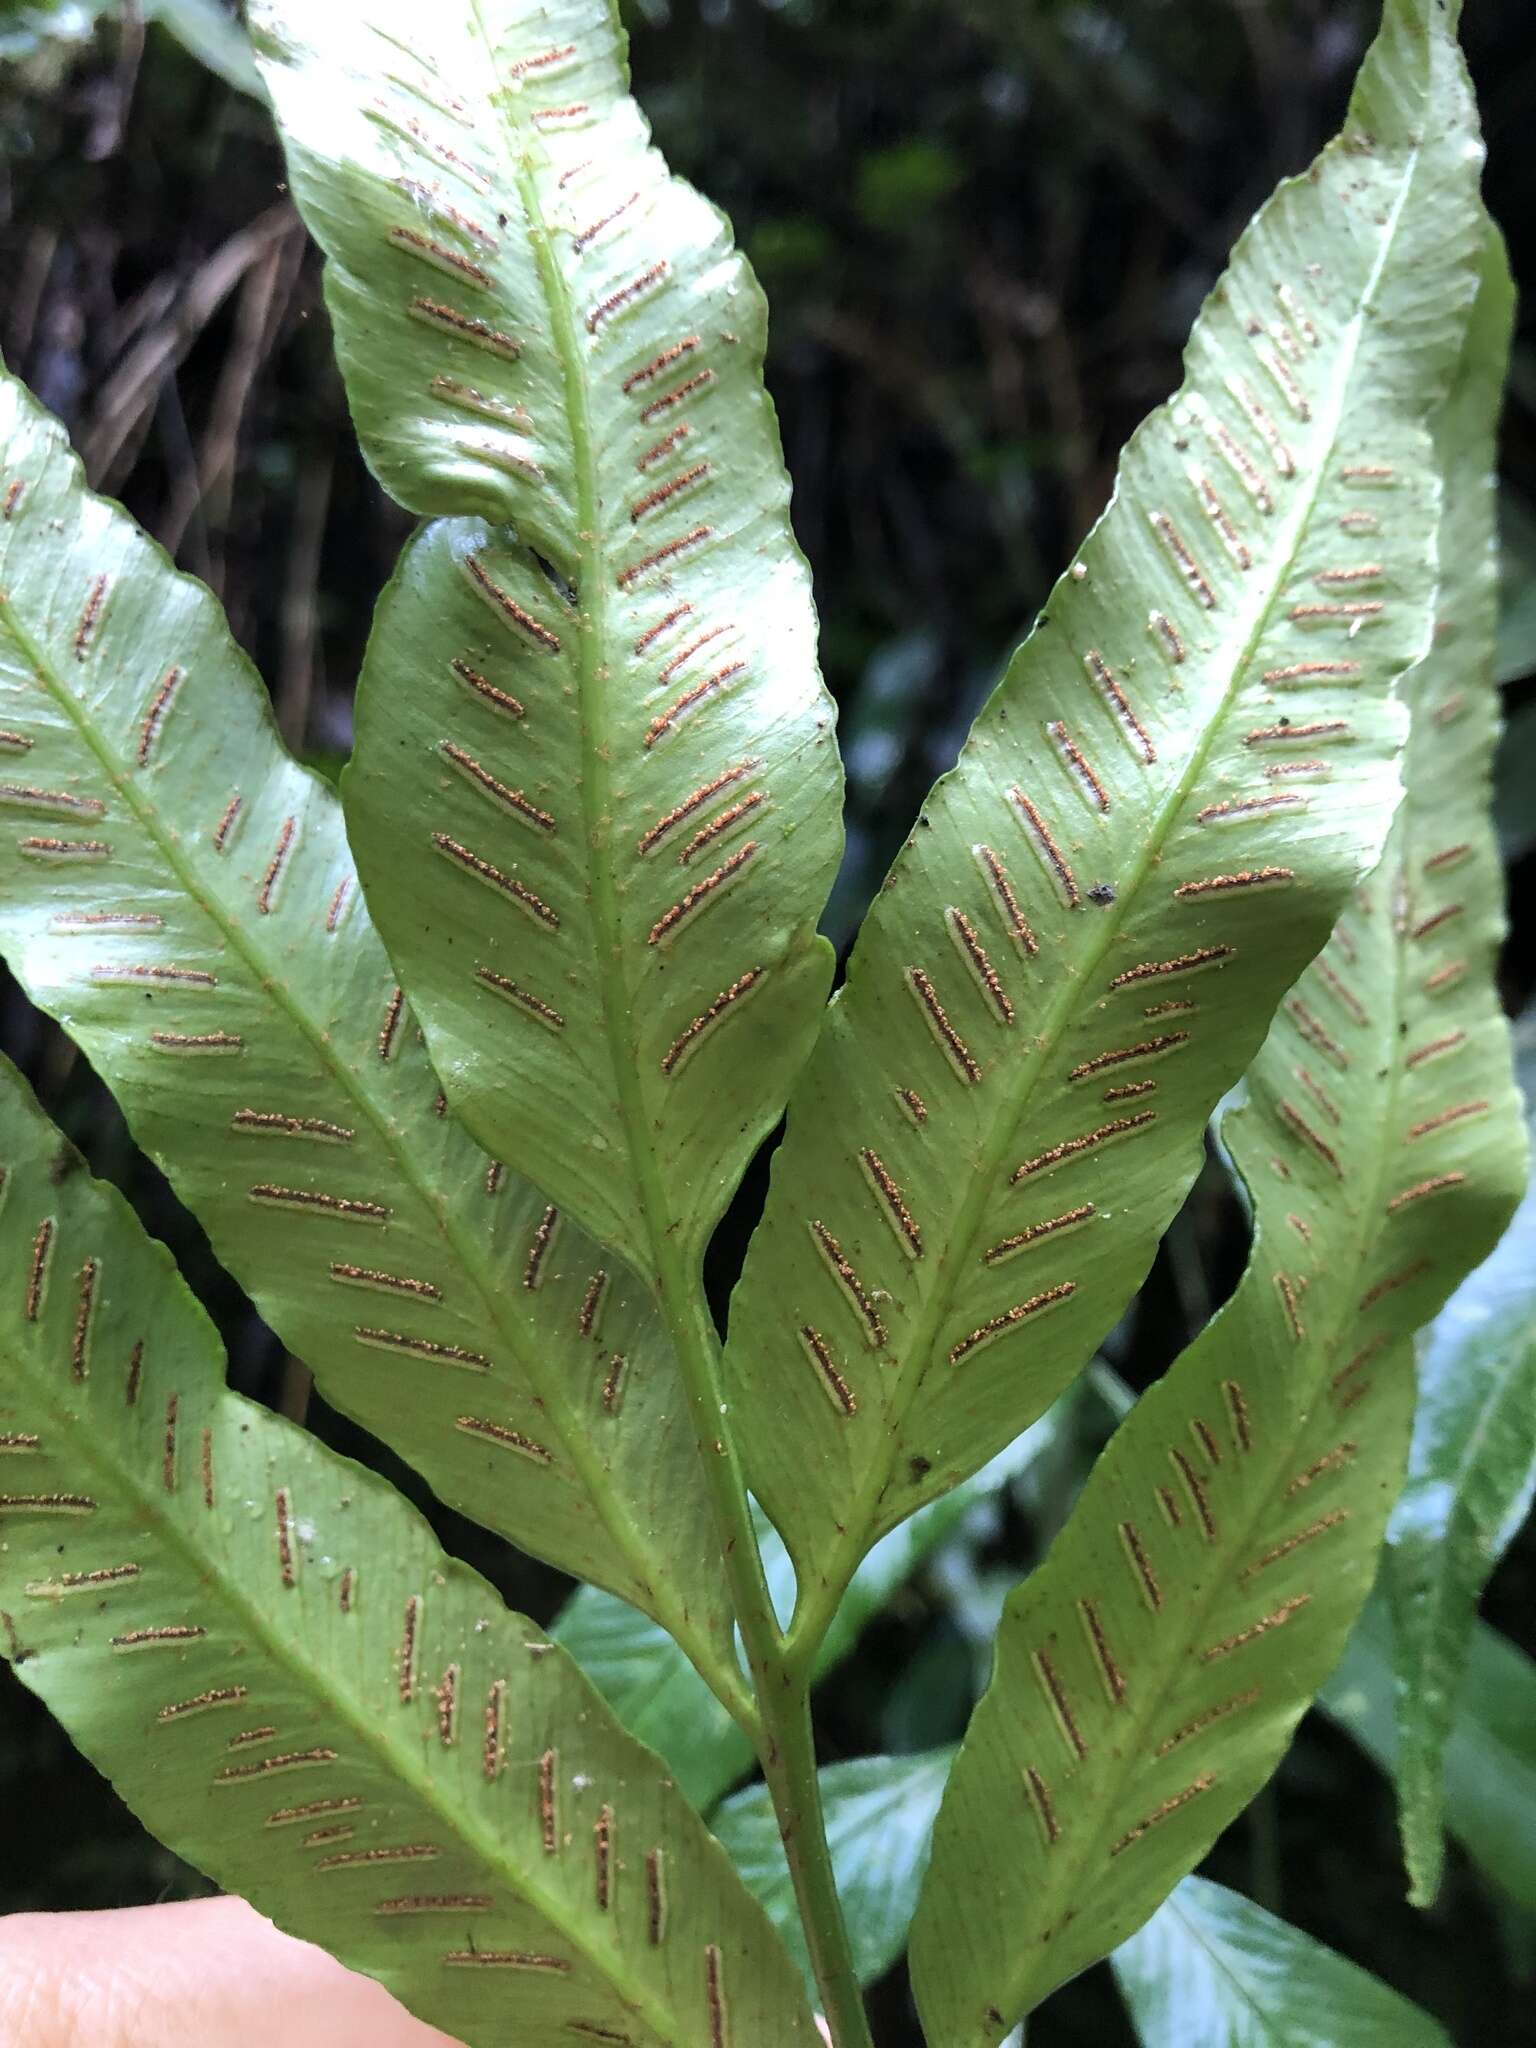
<point>1149,1677</point>
<point>1151,829</point>
<point>285,1676</point>
<point>1474,1449</point>
<point>595,795</point>
<point>179,894</point>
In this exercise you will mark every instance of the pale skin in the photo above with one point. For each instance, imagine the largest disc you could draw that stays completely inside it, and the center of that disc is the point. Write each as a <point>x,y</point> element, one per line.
<point>210,1972</point>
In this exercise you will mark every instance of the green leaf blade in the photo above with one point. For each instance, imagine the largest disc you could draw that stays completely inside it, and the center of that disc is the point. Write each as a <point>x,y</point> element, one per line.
<point>592,709</point>
<point>1490,1753</point>
<point>1149,1676</point>
<point>1150,831</point>
<point>1213,1970</point>
<point>1472,1461</point>
<point>1469,1488</point>
<point>289,1681</point>
<point>1471,1474</point>
<point>180,895</point>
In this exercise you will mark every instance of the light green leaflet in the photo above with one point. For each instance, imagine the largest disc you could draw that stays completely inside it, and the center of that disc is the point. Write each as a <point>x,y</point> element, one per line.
<point>1490,1755</point>
<point>1213,1970</point>
<point>179,894</point>
<point>1471,1474</point>
<point>1151,829</point>
<point>1149,1676</point>
<point>595,795</point>
<point>284,1675</point>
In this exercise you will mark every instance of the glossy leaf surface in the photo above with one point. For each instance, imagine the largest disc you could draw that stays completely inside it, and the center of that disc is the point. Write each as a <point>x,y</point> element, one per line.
<point>1212,1970</point>
<point>595,795</point>
<point>1149,1676</point>
<point>289,1680</point>
<point>1151,829</point>
<point>179,894</point>
<point>879,1812</point>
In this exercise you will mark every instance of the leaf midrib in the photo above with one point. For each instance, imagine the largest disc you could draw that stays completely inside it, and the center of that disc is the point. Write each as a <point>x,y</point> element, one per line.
<point>676,1259</point>
<point>1128,1756</point>
<point>275,987</point>
<point>596,738</point>
<point>981,1189</point>
<point>1368,1213</point>
<point>208,1569</point>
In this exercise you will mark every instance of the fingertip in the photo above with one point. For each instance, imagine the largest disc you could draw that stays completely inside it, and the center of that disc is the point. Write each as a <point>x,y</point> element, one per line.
<point>212,1971</point>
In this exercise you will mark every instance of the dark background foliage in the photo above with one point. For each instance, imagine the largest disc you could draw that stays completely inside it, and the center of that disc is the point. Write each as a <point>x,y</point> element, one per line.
<point>984,227</point>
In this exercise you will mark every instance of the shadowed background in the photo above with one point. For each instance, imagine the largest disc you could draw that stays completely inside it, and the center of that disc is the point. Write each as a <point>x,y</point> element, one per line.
<point>984,227</point>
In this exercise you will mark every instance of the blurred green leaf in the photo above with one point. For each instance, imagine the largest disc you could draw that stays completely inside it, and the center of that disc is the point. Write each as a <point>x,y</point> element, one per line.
<point>211,34</point>
<point>879,1813</point>
<point>790,246</point>
<point>1212,1970</point>
<point>25,29</point>
<point>895,187</point>
<point>910,1544</point>
<point>204,28</point>
<point>1490,1759</point>
<point>655,1692</point>
<point>875,730</point>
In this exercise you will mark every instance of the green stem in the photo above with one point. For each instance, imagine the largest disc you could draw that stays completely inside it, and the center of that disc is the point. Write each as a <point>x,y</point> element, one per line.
<point>792,1778</point>
<point>780,1728</point>
<point>785,1743</point>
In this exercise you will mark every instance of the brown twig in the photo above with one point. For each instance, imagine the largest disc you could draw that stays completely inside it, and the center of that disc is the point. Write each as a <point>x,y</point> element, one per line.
<point>208,488</point>
<point>128,397</point>
<point>301,637</point>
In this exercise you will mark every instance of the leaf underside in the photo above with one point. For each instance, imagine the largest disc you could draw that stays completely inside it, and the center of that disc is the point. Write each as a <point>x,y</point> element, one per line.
<point>1473,1454</point>
<point>595,794</point>
<point>179,894</point>
<point>1151,829</point>
<point>1471,1473</point>
<point>1149,1676</point>
<point>287,1678</point>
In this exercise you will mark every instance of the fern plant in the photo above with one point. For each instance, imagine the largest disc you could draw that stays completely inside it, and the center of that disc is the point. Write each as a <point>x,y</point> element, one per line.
<point>462,1117</point>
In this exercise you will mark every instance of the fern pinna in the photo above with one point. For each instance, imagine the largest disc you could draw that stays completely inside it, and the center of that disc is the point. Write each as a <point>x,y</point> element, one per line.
<point>462,1118</point>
